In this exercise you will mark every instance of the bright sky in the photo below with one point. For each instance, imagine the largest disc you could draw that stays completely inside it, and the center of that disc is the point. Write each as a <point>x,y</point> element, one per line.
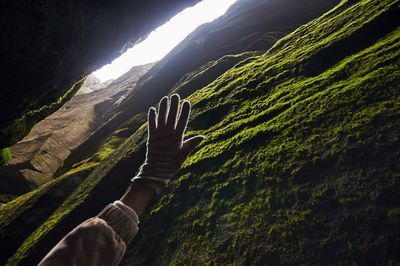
<point>165,38</point>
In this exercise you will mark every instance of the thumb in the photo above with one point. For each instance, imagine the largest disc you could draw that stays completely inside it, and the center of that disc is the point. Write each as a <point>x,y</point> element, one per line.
<point>190,144</point>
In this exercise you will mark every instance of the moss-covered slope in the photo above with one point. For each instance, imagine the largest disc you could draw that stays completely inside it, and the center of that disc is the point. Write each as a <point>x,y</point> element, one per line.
<point>300,164</point>
<point>248,26</point>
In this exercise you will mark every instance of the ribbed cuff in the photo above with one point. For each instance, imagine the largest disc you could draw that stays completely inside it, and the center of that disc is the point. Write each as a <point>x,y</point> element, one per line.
<point>154,183</point>
<point>122,219</point>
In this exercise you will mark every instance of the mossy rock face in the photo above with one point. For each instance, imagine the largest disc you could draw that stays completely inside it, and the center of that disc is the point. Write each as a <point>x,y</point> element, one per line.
<point>51,44</point>
<point>302,168</point>
<point>203,56</point>
<point>5,156</point>
<point>299,165</point>
<point>20,217</point>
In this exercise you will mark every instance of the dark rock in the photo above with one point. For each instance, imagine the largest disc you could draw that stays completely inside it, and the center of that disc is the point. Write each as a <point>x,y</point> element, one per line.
<point>47,46</point>
<point>247,26</point>
<point>300,164</point>
<point>39,155</point>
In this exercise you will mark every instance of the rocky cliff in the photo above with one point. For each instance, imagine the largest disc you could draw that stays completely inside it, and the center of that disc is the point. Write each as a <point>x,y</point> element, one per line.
<point>49,46</point>
<point>249,28</point>
<point>300,161</point>
<point>36,158</point>
<point>91,84</point>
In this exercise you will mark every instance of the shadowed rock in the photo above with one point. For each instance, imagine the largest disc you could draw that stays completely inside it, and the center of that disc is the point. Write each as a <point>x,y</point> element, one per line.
<point>47,46</point>
<point>39,155</point>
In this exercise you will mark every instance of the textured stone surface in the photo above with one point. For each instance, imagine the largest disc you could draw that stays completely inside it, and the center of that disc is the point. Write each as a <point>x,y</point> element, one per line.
<point>92,83</point>
<point>299,165</point>
<point>48,45</point>
<point>39,155</point>
<point>252,25</point>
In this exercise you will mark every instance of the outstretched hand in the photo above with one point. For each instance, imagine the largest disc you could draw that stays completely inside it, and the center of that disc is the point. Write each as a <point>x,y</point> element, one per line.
<point>166,147</point>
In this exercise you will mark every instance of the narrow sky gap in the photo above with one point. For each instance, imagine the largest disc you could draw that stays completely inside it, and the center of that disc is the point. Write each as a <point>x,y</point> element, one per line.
<point>165,38</point>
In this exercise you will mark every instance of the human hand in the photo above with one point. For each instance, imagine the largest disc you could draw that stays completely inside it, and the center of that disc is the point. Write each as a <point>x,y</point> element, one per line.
<point>166,147</point>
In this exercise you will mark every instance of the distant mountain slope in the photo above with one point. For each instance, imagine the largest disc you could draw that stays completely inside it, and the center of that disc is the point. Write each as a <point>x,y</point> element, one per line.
<point>299,165</point>
<point>47,47</point>
<point>92,83</point>
<point>36,158</point>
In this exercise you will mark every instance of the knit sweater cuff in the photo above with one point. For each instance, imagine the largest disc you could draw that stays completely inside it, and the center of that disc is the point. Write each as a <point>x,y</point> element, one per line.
<point>122,219</point>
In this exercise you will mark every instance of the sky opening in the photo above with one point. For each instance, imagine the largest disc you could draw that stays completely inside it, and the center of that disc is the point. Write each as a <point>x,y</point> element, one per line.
<point>162,40</point>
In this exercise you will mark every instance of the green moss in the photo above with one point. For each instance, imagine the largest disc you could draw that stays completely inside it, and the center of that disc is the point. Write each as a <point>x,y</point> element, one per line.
<point>5,156</point>
<point>299,167</point>
<point>394,212</point>
<point>82,191</point>
<point>7,211</point>
<point>91,171</point>
<point>302,159</point>
<point>21,126</point>
<point>78,168</point>
<point>59,188</point>
<point>108,149</point>
<point>12,209</point>
<point>209,72</point>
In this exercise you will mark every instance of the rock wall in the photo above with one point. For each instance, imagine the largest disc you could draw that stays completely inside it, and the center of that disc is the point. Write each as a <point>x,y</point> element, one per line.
<point>35,159</point>
<point>249,26</point>
<point>299,165</point>
<point>49,45</point>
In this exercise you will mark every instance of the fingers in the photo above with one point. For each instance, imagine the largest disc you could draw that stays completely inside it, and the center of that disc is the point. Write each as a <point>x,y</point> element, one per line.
<point>152,120</point>
<point>168,112</point>
<point>162,112</point>
<point>183,118</point>
<point>173,111</point>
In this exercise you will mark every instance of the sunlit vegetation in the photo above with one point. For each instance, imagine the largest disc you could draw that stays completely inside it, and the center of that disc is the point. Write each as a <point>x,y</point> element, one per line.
<point>5,156</point>
<point>301,167</point>
<point>299,164</point>
<point>21,126</point>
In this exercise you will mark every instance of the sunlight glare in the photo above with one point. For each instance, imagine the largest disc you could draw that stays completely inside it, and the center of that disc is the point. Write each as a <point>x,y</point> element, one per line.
<point>161,41</point>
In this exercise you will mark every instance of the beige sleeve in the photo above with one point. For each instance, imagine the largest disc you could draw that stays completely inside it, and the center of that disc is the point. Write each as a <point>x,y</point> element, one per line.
<point>100,240</point>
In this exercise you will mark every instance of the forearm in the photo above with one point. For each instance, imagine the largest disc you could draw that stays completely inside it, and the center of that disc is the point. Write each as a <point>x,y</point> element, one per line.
<point>138,197</point>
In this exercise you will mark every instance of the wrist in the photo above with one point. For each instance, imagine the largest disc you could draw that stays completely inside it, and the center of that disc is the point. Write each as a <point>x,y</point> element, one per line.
<point>138,197</point>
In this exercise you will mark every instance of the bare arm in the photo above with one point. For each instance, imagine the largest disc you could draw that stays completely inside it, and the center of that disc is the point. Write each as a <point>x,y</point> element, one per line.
<point>138,197</point>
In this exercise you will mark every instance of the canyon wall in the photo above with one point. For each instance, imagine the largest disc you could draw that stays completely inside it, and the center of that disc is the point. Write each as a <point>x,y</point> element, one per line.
<point>299,166</point>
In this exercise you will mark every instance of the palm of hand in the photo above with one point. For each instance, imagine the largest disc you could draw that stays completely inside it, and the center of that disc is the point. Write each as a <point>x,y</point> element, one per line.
<point>166,147</point>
